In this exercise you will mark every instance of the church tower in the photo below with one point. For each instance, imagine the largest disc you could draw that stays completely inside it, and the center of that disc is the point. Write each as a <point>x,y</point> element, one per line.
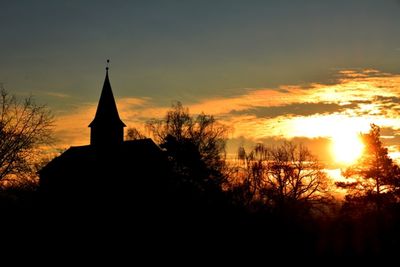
<point>107,128</point>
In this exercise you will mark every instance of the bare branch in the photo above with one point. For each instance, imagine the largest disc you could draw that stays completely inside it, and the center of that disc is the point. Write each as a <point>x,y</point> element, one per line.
<point>24,126</point>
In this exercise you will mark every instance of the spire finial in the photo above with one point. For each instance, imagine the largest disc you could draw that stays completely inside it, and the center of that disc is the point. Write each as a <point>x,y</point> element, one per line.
<point>108,63</point>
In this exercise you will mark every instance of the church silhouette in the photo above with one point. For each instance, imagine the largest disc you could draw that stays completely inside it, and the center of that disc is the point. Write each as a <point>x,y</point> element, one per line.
<point>109,170</point>
<point>126,187</point>
<point>113,189</point>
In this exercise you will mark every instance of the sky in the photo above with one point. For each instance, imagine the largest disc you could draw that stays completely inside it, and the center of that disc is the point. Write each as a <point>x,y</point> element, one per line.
<point>310,71</point>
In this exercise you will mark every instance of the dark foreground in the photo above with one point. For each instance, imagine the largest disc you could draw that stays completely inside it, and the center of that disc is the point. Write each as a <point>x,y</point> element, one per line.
<point>182,228</point>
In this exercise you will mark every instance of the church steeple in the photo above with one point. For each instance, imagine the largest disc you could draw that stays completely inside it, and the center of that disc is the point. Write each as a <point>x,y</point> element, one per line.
<point>106,128</point>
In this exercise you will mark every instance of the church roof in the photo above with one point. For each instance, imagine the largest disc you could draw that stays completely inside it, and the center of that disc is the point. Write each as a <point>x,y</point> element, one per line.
<point>107,112</point>
<point>144,150</point>
<point>92,173</point>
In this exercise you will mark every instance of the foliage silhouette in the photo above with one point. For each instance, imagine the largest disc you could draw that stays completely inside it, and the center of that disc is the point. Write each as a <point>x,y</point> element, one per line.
<point>374,178</point>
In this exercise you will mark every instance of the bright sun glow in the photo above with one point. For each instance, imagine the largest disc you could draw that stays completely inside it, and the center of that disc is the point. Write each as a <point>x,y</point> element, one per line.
<point>347,148</point>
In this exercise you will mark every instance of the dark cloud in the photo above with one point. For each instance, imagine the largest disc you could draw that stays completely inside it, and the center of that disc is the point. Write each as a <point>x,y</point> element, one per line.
<point>357,73</point>
<point>387,99</point>
<point>386,105</point>
<point>388,131</point>
<point>391,137</point>
<point>282,90</point>
<point>306,109</point>
<point>299,109</point>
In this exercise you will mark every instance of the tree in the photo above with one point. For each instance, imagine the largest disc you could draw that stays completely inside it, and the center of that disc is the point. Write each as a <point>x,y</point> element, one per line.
<point>195,145</point>
<point>24,127</point>
<point>283,177</point>
<point>373,178</point>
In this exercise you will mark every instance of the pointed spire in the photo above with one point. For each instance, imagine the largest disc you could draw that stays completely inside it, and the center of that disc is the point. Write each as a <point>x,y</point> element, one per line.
<point>107,117</point>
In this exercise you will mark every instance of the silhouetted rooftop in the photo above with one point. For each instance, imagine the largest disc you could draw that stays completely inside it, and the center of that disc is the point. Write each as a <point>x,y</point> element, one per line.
<point>145,149</point>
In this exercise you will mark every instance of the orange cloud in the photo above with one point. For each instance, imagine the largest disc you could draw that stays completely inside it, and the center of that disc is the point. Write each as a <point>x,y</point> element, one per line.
<point>71,129</point>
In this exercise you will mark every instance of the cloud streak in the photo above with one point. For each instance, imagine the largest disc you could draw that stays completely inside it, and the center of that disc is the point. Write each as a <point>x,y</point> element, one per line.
<point>298,109</point>
<point>58,95</point>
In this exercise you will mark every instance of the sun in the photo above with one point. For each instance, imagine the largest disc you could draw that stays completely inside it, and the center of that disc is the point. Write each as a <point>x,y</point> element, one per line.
<point>347,147</point>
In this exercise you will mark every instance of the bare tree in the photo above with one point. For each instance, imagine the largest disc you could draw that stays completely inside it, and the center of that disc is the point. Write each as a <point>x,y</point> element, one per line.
<point>134,134</point>
<point>24,128</point>
<point>195,144</point>
<point>281,177</point>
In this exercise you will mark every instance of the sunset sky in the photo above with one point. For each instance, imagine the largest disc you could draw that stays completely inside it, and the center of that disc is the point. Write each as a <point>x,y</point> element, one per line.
<point>317,72</point>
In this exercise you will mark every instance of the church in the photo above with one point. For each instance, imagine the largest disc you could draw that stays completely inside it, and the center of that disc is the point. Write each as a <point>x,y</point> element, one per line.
<point>125,188</point>
<point>109,167</point>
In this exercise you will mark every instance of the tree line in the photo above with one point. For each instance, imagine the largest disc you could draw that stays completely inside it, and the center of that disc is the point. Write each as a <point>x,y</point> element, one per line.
<point>283,176</point>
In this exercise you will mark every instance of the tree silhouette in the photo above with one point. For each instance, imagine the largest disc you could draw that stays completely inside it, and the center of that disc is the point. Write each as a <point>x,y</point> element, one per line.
<point>24,127</point>
<point>195,145</point>
<point>283,177</point>
<point>374,177</point>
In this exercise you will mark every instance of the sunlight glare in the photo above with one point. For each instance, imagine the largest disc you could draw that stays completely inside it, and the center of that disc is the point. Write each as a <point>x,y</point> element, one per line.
<point>347,147</point>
